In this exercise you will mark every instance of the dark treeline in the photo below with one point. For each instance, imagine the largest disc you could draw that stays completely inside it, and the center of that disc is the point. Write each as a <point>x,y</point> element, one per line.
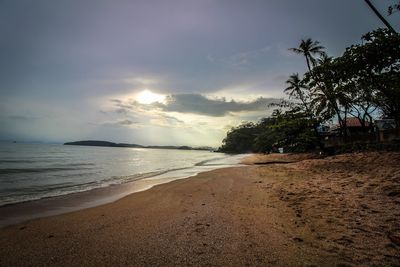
<point>363,83</point>
<point>112,144</point>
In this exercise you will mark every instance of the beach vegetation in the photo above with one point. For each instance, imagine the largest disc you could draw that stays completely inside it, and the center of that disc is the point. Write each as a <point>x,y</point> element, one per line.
<point>394,8</point>
<point>309,49</point>
<point>363,83</point>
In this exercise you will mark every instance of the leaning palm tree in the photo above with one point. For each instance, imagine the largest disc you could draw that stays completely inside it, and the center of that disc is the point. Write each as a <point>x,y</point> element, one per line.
<point>393,8</point>
<point>379,15</point>
<point>295,86</point>
<point>296,89</point>
<point>308,48</point>
<point>324,59</point>
<point>324,107</point>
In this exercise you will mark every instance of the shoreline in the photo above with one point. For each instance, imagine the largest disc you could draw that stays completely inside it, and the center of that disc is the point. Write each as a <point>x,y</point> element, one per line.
<point>11,214</point>
<point>337,211</point>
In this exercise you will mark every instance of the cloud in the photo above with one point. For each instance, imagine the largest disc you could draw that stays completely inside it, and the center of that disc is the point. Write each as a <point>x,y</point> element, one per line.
<point>21,118</point>
<point>167,121</point>
<point>121,122</point>
<point>218,107</point>
<point>121,111</point>
<point>196,104</point>
<point>126,122</point>
<point>116,101</point>
<point>144,81</point>
<point>240,59</point>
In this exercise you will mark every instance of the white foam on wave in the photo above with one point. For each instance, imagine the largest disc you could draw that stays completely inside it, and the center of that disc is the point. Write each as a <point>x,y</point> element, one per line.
<point>108,191</point>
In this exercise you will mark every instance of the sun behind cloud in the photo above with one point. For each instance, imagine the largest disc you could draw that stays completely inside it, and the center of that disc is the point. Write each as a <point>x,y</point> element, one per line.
<point>148,97</point>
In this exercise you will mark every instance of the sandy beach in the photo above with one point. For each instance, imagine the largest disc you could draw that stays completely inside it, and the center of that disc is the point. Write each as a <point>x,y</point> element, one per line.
<point>279,210</point>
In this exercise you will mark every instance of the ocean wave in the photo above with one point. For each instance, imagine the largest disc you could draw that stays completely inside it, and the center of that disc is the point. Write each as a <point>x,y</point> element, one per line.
<point>34,176</point>
<point>138,176</point>
<point>206,162</point>
<point>43,192</point>
<point>16,161</point>
<point>37,170</point>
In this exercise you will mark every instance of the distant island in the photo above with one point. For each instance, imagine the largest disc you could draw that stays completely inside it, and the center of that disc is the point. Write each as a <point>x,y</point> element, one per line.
<point>112,144</point>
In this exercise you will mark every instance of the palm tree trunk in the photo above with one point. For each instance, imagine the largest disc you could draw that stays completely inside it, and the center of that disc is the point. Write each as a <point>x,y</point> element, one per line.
<point>345,124</point>
<point>387,24</point>
<point>308,64</point>
<point>340,120</point>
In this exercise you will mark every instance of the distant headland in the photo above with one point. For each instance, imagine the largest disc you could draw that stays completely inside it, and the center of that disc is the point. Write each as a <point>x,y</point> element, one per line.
<point>112,144</point>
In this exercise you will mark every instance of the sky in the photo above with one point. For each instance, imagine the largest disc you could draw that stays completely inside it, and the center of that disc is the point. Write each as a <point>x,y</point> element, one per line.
<point>155,72</point>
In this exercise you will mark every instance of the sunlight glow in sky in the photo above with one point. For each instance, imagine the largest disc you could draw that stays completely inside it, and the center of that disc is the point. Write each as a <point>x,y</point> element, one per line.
<point>148,97</point>
<point>98,69</point>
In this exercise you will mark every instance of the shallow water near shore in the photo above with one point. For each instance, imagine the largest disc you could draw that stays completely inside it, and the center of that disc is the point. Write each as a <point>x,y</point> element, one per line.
<point>39,180</point>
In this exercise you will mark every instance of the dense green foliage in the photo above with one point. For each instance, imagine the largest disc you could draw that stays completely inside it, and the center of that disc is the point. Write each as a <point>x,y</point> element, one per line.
<point>362,83</point>
<point>394,8</point>
<point>365,79</point>
<point>292,130</point>
<point>241,139</point>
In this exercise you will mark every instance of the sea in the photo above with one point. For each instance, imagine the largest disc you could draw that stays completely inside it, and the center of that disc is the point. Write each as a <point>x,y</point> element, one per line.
<point>31,172</point>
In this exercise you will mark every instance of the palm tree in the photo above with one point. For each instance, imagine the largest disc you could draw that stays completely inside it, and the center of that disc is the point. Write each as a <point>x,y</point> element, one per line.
<point>387,24</point>
<point>322,100</point>
<point>393,8</point>
<point>296,89</point>
<point>308,48</point>
<point>295,86</point>
<point>324,107</point>
<point>324,59</point>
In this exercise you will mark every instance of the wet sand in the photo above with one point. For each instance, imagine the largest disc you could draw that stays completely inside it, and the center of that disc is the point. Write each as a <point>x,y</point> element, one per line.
<point>297,211</point>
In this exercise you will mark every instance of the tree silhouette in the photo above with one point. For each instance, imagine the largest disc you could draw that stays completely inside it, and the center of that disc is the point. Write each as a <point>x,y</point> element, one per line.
<point>309,48</point>
<point>295,90</point>
<point>393,8</point>
<point>379,15</point>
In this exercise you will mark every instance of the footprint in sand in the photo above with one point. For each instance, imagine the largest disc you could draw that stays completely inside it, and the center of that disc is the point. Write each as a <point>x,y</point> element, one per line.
<point>395,239</point>
<point>344,240</point>
<point>298,239</point>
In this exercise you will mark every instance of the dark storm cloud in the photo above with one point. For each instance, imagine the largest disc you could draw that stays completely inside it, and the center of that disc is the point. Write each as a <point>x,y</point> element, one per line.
<point>63,58</point>
<point>121,122</point>
<point>197,104</point>
<point>126,122</point>
<point>241,59</point>
<point>53,48</point>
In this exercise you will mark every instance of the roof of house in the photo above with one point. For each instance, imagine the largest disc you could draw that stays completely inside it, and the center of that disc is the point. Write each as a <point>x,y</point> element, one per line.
<point>355,122</point>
